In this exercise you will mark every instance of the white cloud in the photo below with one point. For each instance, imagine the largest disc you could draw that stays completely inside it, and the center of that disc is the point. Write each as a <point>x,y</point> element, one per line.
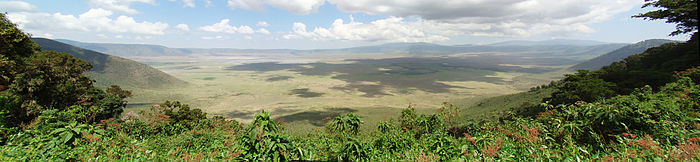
<point>223,26</point>
<point>502,9</point>
<point>496,18</point>
<point>293,6</point>
<point>262,23</point>
<point>220,27</point>
<point>45,35</point>
<point>213,38</point>
<point>123,6</point>
<point>188,3</point>
<point>208,3</point>
<point>263,31</point>
<point>94,20</point>
<point>430,21</point>
<point>245,30</point>
<point>182,27</point>
<point>246,4</point>
<point>16,6</point>
<point>191,4</point>
<point>142,38</point>
<point>392,29</point>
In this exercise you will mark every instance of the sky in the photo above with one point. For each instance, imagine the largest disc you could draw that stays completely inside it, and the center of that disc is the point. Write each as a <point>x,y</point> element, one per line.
<point>322,24</point>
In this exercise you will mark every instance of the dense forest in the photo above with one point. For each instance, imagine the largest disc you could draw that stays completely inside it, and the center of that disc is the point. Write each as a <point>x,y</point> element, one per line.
<point>645,107</point>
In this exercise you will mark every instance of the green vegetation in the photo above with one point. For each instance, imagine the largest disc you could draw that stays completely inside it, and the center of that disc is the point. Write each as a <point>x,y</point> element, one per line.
<point>304,93</point>
<point>278,78</point>
<point>43,90</point>
<point>423,73</point>
<point>683,13</point>
<point>653,67</point>
<point>619,54</point>
<point>645,125</point>
<point>109,70</point>
<point>644,108</point>
<point>493,108</point>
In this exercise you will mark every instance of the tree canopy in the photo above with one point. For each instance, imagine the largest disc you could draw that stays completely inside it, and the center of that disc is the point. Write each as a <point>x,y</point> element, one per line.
<point>47,86</point>
<point>683,13</point>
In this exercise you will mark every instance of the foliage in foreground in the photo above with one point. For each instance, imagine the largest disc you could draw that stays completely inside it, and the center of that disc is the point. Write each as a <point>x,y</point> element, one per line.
<point>648,125</point>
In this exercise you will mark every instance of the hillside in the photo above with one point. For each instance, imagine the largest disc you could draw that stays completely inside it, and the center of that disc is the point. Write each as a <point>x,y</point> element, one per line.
<point>489,108</point>
<point>128,50</point>
<point>653,65</point>
<point>111,70</point>
<point>549,42</point>
<point>575,50</point>
<point>570,50</point>
<point>619,54</point>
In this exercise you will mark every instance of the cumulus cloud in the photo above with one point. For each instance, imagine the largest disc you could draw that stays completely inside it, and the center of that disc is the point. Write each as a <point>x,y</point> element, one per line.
<point>262,23</point>
<point>429,21</point>
<point>496,18</point>
<point>538,10</point>
<point>392,29</point>
<point>96,20</point>
<point>16,6</point>
<point>123,6</point>
<point>293,6</point>
<point>246,30</point>
<point>220,27</point>
<point>213,37</point>
<point>223,26</point>
<point>188,3</point>
<point>262,31</point>
<point>182,27</point>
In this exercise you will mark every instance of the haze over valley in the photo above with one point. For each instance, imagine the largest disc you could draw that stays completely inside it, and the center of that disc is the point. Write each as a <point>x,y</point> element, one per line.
<point>237,83</point>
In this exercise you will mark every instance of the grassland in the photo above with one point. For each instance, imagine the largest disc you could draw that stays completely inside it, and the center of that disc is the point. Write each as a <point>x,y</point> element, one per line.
<point>304,92</point>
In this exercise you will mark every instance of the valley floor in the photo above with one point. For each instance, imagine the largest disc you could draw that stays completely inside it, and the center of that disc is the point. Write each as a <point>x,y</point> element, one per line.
<point>304,91</point>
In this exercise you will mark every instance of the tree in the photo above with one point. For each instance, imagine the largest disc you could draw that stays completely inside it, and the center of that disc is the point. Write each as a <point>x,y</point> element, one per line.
<point>118,91</point>
<point>181,113</point>
<point>683,13</point>
<point>582,86</point>
<point>349,123</point>
<point>34,81</point>
<point>16,47</point>
<point>52,80</point>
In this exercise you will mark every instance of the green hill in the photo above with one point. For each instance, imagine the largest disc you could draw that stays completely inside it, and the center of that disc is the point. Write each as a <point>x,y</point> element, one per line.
<point>619,54</point>
<point>128,50</point>
<point>111,70</point>
<point>488,108</point>
<point>653,65</point>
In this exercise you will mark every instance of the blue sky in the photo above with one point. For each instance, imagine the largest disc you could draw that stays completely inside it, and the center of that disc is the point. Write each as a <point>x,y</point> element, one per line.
<point>309,24</point>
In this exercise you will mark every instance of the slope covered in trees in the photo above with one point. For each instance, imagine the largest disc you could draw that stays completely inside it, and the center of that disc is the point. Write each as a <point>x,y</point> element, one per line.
<point>109,70</point>
<point>619,54</point>
<point>41,87</point>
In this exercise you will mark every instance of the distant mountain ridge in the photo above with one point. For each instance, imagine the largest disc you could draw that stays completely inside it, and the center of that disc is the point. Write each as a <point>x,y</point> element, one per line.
<point>126,50</point>
<point>108,70</point>
<point>549,42</point>
<point>577,49</point>
<point>619,54</point>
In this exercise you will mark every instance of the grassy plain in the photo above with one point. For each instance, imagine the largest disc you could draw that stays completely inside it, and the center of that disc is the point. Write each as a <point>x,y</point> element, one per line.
<point>303,92</point>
